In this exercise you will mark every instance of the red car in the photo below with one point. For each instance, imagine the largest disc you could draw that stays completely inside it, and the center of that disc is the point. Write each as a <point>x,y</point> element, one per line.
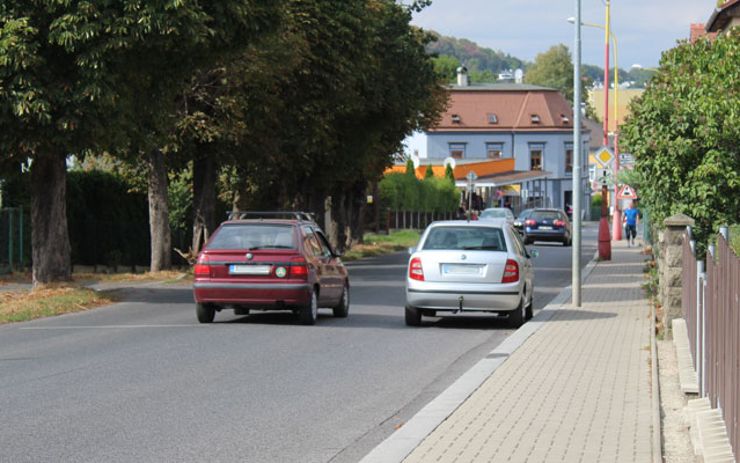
<point>270,263</point>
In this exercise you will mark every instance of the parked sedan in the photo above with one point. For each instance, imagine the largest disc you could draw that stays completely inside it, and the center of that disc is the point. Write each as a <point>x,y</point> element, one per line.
<point>547,225</point>
<point>462,266</point>
<point>270,264</point>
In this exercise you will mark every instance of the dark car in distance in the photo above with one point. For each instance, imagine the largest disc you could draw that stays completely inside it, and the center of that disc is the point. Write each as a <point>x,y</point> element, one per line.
<point>519,221</point>
<point>270,261</point>
<point>547,225</point>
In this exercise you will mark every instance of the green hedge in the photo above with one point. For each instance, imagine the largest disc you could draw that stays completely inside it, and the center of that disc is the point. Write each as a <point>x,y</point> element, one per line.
<point>404,192</point>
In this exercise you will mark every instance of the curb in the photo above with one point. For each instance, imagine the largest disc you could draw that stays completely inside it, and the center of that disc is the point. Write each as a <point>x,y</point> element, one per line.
<point>402,442</point>
<point>657,432</point>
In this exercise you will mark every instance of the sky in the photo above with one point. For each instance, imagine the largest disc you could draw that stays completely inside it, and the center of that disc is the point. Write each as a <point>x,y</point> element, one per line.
<point>524,28</point>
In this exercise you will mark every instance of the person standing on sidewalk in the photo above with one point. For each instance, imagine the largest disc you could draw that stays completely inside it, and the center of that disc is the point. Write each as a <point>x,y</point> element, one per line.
<point>631,218</point>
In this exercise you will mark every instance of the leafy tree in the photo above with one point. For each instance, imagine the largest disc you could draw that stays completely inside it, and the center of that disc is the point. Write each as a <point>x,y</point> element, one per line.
<point>450,174</point>
<point>683,132</point>
<point>77,77</point>
<point>429,172</point>
<point>446,67</point>
<point>465,51</point>
<point>554,69</point>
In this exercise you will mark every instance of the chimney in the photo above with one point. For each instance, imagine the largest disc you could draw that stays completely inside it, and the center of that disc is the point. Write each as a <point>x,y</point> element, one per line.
<point>462,76</point>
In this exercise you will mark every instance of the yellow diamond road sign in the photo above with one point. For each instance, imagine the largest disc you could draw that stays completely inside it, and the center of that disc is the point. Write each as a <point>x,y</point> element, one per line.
<point>604,156</point>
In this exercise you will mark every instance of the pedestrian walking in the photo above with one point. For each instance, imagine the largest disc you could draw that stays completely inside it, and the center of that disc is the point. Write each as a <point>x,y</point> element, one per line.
<point>631,218</point>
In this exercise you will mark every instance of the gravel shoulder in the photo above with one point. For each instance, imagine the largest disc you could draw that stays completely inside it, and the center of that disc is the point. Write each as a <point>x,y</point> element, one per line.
<point>676,441</point>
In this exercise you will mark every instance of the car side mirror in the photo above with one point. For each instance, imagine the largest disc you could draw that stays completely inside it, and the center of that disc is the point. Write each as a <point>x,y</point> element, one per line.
<point>412,250</point>
<point>534,253</point>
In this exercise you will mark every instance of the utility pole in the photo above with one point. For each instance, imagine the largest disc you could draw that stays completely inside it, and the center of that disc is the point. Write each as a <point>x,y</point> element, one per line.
<point>576,249</point>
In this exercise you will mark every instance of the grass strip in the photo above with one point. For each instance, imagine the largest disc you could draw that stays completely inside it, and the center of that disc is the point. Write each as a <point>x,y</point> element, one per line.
<point>47,302</point>
<point>377,244</point>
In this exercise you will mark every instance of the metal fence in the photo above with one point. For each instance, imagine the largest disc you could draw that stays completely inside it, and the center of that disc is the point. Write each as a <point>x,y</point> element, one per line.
<point>711,306</point>
<point>14,239</point>
<point>412,220</point>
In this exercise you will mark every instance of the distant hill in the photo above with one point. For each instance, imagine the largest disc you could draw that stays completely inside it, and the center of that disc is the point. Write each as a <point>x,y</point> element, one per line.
<point>484,64</point>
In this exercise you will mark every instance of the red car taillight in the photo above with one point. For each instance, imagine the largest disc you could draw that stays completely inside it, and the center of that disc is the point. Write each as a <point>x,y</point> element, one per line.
<point>201,270</point>
<point>530,222</point>
<point>511,272</point>
<point>298,268</point>
<point>558,223</point>
<point>416,272</point>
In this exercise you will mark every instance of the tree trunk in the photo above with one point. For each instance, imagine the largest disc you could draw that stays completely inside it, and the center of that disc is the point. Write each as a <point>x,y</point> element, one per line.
<point>51,251</point>
<point>159,215</point>
<point>204,198</point>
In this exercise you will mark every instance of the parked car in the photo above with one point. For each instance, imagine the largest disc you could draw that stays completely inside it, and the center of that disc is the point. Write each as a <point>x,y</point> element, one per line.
<point>270,263</point>
<point>498,213</point>
<point>547,225</point>
<point>462,266</point>
<point>519,221</point>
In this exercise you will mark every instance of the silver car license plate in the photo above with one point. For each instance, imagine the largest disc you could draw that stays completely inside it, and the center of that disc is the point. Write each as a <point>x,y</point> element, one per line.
<point>460,269</point>
<point>249,269</point>
<point>545,227</point>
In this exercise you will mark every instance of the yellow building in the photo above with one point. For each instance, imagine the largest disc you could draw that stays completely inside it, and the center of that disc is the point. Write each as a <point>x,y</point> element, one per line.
<point>596,98</point>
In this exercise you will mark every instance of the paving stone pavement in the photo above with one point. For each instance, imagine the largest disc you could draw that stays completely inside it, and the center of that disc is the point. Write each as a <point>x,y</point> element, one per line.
<point>578,390</point>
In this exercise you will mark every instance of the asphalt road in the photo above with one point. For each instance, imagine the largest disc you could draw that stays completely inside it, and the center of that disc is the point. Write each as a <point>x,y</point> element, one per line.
<point>142,381</point>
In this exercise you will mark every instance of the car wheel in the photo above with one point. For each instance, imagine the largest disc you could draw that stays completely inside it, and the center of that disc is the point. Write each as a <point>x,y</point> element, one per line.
<point>530,307</point>
<point>567,241</point>
<point>205,312</point>
<point>342,310</point>
<point>528,241</point>
<point>518,315</point>
<point>413,316</point>
<point>309,313</point>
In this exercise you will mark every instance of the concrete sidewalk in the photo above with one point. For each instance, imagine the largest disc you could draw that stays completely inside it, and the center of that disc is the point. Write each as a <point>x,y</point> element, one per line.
<point>579,389</point>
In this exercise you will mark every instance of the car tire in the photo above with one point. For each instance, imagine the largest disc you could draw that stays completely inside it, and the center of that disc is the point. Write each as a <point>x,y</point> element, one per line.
<point>412,316</point>
<point>527,240</point>
<point>342,309</point>
<point>518,315</point>
<point>310,312</point>
<point>529,313</point>
<point>568,241</point>
<point>205,312</point>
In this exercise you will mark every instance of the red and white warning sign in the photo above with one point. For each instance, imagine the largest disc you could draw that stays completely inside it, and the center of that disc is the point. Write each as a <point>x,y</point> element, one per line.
<point>626,192</point>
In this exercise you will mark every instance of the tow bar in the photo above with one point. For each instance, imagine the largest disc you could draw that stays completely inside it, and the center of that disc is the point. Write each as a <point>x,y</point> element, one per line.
<point>460,301</point>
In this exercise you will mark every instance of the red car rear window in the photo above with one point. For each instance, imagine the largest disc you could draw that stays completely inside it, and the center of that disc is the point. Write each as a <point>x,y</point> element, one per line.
<point>253,236</point>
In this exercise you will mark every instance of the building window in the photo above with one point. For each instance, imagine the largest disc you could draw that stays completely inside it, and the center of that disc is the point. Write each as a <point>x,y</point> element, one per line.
<point>457,150</point>
<point>456,119</point>
<point>569,158</point>
<point>494,150</point>
<point>535,118</point>
<point>492,118</point>
<point>535,156</point>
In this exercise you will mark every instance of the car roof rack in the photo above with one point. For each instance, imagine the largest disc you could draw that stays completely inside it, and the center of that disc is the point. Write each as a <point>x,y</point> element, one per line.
<point>297,215</point>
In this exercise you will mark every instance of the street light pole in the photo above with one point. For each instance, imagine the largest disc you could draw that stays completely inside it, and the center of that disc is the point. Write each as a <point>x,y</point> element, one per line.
<point>576,186</point>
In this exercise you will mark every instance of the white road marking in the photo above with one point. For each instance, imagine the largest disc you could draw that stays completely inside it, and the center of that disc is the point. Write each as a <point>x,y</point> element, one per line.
<point>83,327</point>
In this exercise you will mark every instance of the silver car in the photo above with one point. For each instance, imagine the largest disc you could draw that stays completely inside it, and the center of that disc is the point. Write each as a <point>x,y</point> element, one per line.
<point>478,266</point>
<point>498,213</point>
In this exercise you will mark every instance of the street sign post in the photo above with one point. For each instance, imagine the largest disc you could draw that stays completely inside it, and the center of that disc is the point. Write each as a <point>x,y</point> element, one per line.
<point>627,192</point>
<point>471,178</point>
<point>604,156</point>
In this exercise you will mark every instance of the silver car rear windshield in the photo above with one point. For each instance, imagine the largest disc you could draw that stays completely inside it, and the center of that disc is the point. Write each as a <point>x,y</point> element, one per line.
<point>465,238</point>
<point>253,236</point>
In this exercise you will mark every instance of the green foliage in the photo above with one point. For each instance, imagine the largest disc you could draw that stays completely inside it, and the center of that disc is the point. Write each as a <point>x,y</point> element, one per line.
<point>596,200</point>
<point>554,69</point>
<point>428,173</point>
<point>433,194</point>
<point>450,174</point>
<point>683,132</point>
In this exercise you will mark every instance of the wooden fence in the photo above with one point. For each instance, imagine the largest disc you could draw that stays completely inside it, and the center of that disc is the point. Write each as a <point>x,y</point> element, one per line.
<point>711,306</point>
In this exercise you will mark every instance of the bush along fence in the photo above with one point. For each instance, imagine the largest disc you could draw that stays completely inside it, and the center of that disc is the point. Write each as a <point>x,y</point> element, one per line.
<point>711,308</point>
